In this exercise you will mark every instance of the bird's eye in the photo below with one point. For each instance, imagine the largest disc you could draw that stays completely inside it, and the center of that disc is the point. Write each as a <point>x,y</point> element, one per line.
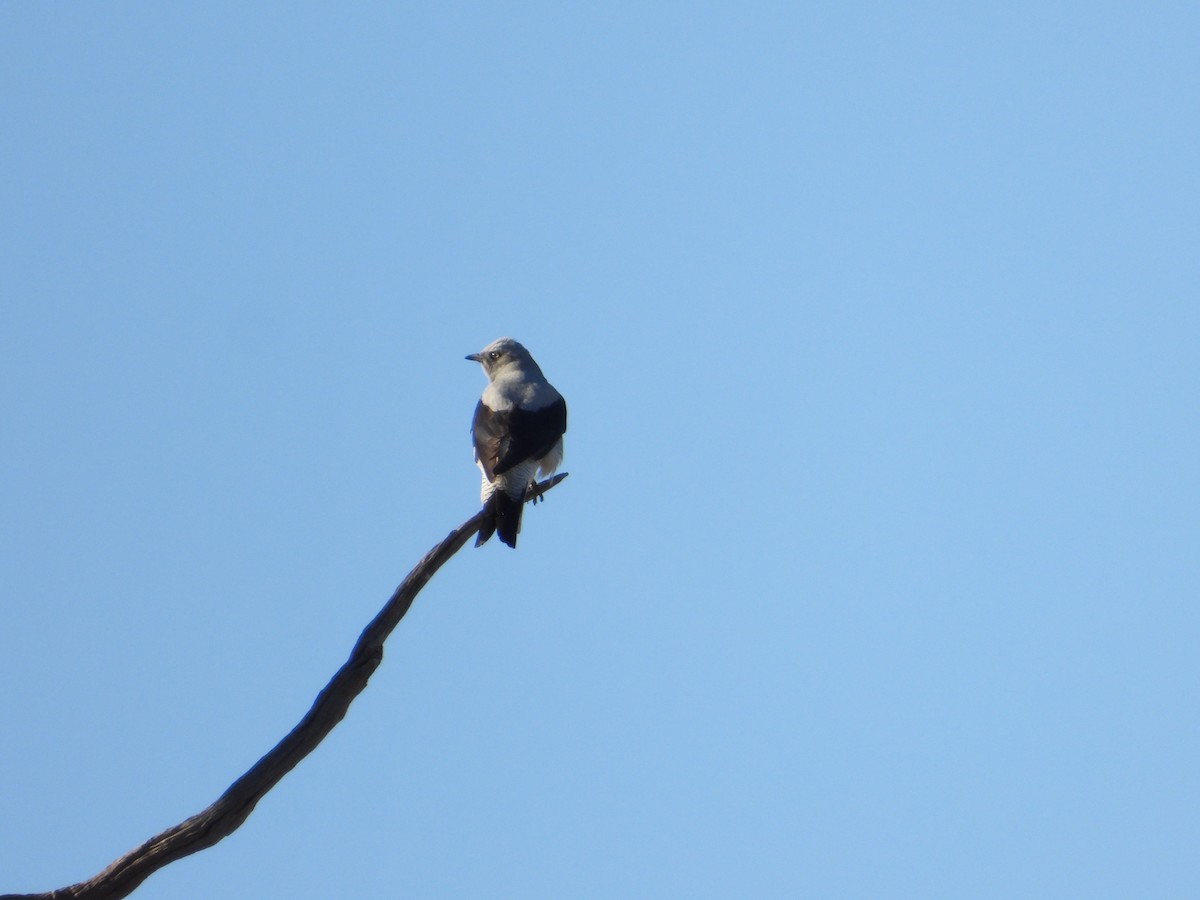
<point>495,354</point>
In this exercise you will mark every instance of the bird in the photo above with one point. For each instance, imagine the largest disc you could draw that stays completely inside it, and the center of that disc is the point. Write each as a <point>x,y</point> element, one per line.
<point>517,433</point>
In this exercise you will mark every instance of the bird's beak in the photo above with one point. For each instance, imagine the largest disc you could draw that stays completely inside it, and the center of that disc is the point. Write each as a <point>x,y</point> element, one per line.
<point>474,357</point>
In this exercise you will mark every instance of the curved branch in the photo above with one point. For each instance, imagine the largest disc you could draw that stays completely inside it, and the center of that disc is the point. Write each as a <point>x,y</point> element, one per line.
<point>232,808</point>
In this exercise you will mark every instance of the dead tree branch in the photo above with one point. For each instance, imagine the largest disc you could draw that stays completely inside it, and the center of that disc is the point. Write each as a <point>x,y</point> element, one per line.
<point>232,808</point>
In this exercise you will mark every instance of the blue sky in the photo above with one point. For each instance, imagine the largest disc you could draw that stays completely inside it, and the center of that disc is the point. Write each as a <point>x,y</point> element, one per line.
<point>876,573</point>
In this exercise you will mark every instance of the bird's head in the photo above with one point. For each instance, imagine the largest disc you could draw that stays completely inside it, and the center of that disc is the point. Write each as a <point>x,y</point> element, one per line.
<point>502,355</point>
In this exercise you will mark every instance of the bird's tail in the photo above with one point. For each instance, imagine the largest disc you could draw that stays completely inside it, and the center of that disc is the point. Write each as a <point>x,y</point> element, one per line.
<point>503,518</point>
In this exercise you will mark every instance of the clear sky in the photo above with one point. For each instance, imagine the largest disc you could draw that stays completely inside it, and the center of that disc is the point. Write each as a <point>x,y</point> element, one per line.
<point>877,571</point>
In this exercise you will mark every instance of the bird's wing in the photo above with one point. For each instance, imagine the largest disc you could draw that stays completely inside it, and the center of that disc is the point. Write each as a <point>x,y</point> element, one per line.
<point>490,434</point>
<point>509,437</point>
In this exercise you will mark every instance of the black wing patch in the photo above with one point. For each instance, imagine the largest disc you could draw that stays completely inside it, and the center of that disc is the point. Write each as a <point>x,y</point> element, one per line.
<point>507,438</point>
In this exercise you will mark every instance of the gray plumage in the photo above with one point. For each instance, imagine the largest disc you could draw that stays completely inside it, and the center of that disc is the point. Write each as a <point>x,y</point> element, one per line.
<point>517,432</point>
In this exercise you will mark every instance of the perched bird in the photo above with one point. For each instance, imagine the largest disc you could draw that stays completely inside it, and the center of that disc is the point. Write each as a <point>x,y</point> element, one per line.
<point>518,429</point>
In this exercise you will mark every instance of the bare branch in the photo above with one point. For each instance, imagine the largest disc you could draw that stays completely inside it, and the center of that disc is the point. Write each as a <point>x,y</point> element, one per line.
<point>233,807</point>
